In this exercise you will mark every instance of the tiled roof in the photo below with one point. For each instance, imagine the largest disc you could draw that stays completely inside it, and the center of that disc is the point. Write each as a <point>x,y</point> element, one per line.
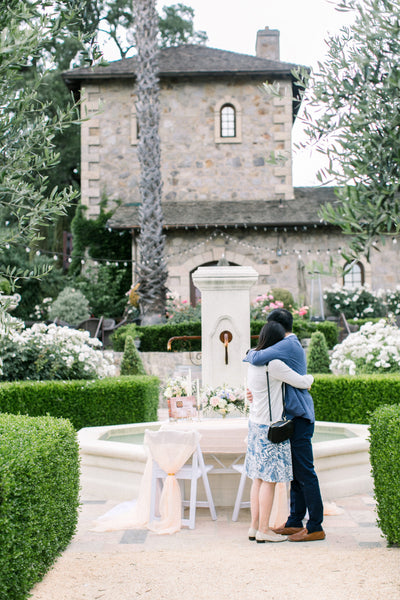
<point>302,210</point>
<point>181,61</point>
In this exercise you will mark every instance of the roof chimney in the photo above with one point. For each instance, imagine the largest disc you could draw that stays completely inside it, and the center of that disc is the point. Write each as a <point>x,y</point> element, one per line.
<point>267,44</point>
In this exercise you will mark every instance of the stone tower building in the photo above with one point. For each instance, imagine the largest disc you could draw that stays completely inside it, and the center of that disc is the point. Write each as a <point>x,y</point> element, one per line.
<point>222,196</point>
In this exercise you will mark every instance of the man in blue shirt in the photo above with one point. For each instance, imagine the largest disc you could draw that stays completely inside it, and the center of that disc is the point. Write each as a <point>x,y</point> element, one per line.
<point>304,489</point>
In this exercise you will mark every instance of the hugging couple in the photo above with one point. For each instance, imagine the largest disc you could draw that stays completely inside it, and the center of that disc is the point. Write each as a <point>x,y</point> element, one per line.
<point>268,463</point>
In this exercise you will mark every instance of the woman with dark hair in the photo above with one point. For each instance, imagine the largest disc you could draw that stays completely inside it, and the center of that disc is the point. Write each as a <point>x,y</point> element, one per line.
<point>268,463</point>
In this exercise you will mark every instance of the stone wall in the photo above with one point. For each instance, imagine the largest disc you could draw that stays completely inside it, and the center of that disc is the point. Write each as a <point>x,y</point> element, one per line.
<point>281,258</point>
<point>194,165</point>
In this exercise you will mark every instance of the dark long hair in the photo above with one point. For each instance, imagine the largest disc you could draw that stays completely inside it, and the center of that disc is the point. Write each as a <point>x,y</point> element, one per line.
<point>271,333</point>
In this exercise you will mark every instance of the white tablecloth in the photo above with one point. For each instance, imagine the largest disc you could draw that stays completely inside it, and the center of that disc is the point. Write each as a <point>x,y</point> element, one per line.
<point>218,436</point>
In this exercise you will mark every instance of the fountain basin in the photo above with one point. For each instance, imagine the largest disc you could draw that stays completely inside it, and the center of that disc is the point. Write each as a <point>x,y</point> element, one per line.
<point>112,470</point>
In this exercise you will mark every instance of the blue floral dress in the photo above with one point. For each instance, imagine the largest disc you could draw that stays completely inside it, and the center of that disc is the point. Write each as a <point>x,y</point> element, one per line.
<point>265,460</point>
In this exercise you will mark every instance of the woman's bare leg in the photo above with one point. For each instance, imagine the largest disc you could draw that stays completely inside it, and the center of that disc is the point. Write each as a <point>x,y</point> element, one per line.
<point>266,498</point>
<point>255,502</point>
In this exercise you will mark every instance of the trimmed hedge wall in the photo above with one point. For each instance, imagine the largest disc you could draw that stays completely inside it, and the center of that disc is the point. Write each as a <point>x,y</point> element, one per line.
<point>109,401</point>
<point>385,460</point>
<point>154,338</point>
<point>39,487</point>
<point>352,399</point>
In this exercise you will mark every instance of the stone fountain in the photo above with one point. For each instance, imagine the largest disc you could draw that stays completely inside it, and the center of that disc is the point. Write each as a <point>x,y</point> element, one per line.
<point>225,318</point>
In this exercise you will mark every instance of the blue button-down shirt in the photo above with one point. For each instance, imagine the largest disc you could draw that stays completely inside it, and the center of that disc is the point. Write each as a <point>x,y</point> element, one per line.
<point>299,403</point>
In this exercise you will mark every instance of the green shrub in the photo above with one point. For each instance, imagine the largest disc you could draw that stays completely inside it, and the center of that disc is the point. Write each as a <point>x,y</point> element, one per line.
<point>70,306</point>
<point>318,356</point>
<point>352,399</point>
<point>45,352</point>
<point>361,303</point>
<point>385,462</point>
<point>109,401</point>
<point>35,293</point>
<point>154,338</point>
<point>119,336</point>
<point>304,329</point>
<point>131,362</point>
<point>178,311</point>
<point>282,295</point>
<point>360,322</point>
<point>105,287</point>
<point>39,475</point>
<point>5,286</point>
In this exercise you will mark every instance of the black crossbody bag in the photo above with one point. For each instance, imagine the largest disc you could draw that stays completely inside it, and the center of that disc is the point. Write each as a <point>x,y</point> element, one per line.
<point>280,430</point>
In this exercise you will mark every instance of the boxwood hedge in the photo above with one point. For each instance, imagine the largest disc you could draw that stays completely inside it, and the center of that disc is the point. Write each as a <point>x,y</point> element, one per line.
<point>385,462</point>
<point>109,401</point>
<point>154,338</point>
<point>351,399</point>
<point>39,498</point>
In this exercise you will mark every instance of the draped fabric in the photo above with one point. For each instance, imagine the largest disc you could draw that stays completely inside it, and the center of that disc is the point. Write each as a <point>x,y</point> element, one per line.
<point>170,450</point>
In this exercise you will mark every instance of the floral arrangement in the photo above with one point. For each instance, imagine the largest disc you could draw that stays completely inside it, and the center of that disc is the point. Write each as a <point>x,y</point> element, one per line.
<point>375,348</point>
<point>50,352</point>
<point>360,303</point>
<point>223,400</point>
<point>180,386</point>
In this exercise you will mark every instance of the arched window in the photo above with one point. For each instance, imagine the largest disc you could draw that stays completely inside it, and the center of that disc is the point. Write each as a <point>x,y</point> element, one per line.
<point>228,121</point>
<point>353,277</point>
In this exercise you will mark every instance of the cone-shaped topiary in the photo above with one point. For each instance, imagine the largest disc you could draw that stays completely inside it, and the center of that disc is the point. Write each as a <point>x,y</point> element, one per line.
<point>318,355</point>
<point>131,362</point>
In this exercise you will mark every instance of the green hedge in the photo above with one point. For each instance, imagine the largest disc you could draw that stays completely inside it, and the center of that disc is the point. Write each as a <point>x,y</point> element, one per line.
<point>352,399</point>
<point>304,329</point>
<point>39,487</point>
<point>385,461</point>
<point>154,338</point>
<point>109,401</point>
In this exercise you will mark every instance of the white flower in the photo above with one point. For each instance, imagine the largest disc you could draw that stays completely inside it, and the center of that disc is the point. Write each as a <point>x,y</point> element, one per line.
<point>375,344</point>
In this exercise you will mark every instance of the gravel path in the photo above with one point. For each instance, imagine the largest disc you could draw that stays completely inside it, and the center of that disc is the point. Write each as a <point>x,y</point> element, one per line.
<point>216,561</point>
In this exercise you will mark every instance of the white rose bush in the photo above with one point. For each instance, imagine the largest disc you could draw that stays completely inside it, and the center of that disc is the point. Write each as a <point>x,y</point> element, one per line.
<point>50,352</point>
<point>375,348</point>
<point>360,303</point>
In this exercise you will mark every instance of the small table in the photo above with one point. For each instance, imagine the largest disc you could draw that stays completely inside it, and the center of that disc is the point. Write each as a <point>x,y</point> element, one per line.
<point>226,436</point>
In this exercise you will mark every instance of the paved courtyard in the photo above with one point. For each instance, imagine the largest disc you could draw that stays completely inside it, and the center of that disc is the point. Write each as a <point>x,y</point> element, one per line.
<point>216,561</point>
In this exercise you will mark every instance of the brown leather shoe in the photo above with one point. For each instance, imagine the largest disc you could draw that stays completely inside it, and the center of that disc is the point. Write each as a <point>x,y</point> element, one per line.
<point>283,530</point>
<point>304,536</point>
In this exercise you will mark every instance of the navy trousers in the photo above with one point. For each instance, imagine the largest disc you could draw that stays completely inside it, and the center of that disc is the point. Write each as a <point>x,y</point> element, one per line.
<point>304,489</point>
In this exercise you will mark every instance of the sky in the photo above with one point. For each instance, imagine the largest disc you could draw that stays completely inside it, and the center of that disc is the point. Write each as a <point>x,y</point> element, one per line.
<point>304,26</point>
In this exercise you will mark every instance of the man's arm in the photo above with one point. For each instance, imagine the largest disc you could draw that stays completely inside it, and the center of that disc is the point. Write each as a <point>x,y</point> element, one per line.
<point>263,357</point>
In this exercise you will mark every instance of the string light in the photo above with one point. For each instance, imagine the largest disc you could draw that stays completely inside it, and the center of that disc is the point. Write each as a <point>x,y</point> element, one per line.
<point>217,233</point>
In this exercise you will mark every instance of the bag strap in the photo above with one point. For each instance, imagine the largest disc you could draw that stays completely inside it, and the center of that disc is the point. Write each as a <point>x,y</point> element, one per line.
<point>283,388</point>
<point>269,397</point>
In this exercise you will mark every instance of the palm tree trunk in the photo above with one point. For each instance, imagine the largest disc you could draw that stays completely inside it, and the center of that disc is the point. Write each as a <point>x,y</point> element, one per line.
<point>152,270</point>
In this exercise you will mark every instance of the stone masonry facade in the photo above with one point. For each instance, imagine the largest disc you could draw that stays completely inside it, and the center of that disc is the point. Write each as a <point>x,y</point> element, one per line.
<point>288,243</point>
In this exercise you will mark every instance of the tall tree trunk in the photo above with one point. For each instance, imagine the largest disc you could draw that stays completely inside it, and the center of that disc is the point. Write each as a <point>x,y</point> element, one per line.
<point>152,270</point>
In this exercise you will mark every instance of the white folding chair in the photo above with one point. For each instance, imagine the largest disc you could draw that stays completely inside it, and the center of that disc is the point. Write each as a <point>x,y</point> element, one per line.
<point>240,468</point>
<point>190,471</point>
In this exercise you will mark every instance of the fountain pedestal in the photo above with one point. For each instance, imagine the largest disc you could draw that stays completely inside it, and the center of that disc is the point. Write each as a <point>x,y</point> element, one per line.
<point>225,318</point>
